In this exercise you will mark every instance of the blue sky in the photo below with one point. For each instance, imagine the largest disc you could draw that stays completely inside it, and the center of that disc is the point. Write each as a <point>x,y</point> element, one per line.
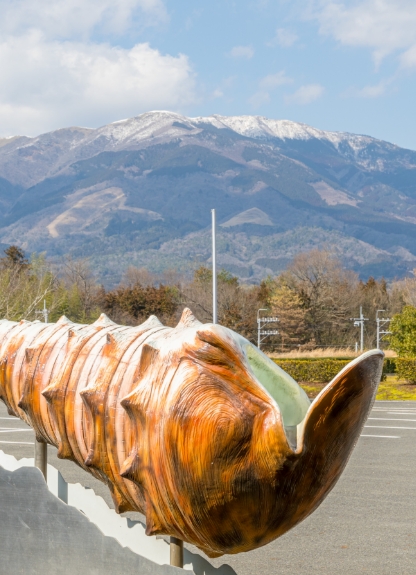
<point>335,65</point>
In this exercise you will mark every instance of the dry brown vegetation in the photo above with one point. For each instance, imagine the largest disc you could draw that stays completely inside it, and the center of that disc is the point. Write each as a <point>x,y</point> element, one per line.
<point>314,299</point>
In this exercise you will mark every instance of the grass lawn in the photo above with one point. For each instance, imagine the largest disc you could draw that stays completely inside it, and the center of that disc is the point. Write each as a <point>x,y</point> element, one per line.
<point>391,389</point>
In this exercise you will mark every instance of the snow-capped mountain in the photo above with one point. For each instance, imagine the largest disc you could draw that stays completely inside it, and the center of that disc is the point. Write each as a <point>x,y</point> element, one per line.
<point>58,149</point>
<point>146,184</point>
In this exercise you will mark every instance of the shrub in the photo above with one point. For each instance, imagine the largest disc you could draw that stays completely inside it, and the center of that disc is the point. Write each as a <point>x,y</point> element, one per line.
<point>389,365</point>
<point>403,332</point>
<point>312,370</point>
<point>323,370</point>
<point>406,368</point>
<point>127,304</point>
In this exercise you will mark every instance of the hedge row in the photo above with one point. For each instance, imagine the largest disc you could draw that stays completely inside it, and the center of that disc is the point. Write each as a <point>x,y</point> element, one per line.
<point>312,370</point>
<point>323,370</point>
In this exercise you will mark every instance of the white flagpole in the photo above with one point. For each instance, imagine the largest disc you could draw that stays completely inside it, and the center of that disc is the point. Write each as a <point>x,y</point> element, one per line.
<point>214,269</point>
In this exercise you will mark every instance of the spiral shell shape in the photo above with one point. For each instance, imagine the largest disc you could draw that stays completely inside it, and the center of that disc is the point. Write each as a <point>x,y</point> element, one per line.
<point>192,426</point>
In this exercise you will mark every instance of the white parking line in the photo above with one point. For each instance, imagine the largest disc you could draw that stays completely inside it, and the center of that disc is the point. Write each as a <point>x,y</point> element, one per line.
<point>383,436</point>
<point>387,427</point>
<point>11,418</point>
<point>396,414</point>
<point>392,410</point>
<point>14,430</point>
<point>19,442</point>
<point>388,419</point>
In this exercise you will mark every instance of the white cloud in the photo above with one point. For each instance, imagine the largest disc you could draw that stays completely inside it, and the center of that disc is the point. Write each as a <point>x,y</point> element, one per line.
<point>408,58</point>
<point>266,85</point>
<point>284,38</point>
<point>242,52</point>
<point>259,98</point>
<point>55,72</point>
<point>50,84</point>
<point>306,94</point>
<point>218,93</point>
<point>384,26</point>
<point>78,18</point>
<point>371,90</point>
<point>275,80</point>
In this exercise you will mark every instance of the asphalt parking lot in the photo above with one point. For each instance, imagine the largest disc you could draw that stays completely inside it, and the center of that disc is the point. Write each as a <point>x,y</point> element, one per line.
<point>366,525</point>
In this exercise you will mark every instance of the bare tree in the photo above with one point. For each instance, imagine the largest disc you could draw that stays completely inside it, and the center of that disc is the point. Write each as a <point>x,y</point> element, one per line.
<point>406,289</point>
<point>138,276</point>
<point>288,306</point>
<point>237,305</point>
<point>84,294</point>
<point>24,286</point>
<point>327,292</point>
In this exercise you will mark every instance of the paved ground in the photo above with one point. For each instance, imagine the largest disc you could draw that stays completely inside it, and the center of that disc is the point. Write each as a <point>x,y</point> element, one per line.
<point>367,524</point>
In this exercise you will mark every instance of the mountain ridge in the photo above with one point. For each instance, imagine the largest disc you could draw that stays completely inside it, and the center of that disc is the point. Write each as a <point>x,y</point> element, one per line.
<point>159,125</point>
<point>133,185</point>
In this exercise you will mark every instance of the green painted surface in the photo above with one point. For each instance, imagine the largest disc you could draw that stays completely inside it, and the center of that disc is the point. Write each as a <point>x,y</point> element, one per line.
<point>289,396</point>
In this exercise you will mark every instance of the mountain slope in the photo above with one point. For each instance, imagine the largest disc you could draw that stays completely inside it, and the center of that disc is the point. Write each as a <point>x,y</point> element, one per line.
<point>140,192</point>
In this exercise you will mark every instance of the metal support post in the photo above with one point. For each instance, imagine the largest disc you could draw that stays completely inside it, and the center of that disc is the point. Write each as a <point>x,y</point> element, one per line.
<point>214,270</point>
<point>41,457</point>
<point>176,552</point>
<point>41,447</point>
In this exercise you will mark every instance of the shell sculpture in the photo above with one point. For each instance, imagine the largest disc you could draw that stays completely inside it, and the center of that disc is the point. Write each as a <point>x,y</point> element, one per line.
<point>192,426</point>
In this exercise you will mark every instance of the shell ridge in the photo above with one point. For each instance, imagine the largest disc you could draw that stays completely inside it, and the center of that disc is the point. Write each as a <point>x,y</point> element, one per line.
<point>94,395</point>
<point>56,392</point>
<point>34,351</point>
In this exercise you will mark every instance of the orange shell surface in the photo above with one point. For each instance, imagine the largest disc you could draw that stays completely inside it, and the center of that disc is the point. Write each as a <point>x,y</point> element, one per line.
<point>176,423</point>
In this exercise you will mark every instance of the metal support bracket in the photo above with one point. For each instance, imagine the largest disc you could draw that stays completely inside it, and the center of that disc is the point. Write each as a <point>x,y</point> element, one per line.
<point>41,457</point>
<point>176,552</point>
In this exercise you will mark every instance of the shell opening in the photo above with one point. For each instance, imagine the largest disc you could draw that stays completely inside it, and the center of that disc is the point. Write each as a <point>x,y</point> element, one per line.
<point>287,393</point>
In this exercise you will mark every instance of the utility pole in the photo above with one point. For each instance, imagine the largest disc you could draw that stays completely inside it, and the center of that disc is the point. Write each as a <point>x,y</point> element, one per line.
<point>359,322</point>
<point>44,312</point>
<point>382,322</point>
<point>214,269</point>
<point>41,447</point>
<point>261,322</point>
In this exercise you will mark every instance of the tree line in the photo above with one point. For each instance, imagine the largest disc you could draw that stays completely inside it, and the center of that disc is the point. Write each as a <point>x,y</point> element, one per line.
<point>314,298</point>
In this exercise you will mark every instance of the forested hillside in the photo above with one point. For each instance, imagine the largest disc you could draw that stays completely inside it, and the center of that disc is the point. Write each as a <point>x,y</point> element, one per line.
<point>139,192</point>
